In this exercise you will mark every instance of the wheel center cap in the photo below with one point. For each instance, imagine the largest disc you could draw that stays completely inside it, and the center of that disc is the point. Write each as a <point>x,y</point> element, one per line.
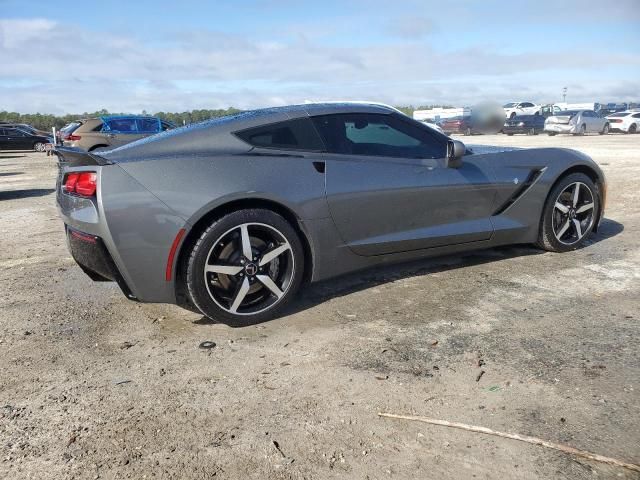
<point>572,214</point>
<point>251,269</point>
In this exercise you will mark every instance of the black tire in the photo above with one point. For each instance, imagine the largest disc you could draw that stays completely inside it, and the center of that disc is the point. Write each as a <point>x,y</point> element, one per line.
<point>633,128</point>
<point>199,257</point>
<point>547,239</point>
<point>510,134</point>
<point>551,134</point>
<point>605,129</point>
<point>583,130</point>
<point>532,131</point>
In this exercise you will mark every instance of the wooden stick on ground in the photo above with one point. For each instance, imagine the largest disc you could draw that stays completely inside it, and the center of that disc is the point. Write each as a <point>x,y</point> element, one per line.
<point>522,438</point>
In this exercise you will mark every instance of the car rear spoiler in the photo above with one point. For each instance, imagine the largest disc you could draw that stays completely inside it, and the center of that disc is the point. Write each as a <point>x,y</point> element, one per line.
<point>76,157</point>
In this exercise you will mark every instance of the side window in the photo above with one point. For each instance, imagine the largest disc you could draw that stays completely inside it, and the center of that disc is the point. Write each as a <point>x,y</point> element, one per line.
<point>166,126</point>
<point>297,134</point>
<point>14,132</point>
<point>378,135</point>
<point>526,104</point>
<point>121,125</point>
<point>148,125</point>
<point>636,115</point>
<point>3,133</point>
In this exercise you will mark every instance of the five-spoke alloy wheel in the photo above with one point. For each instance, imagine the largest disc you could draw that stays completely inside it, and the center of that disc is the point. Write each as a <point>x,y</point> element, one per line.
<point>246,266</point>
<point>570,213</point>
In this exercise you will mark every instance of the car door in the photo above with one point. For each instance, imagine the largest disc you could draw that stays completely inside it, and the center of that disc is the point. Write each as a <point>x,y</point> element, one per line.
<point>120,131</point>
<point>588,117</point>
<point>389,189</point>
<point>17,139</point>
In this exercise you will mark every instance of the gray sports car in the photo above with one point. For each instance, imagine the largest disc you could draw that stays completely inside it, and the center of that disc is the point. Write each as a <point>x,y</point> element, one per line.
<point>229,217</point>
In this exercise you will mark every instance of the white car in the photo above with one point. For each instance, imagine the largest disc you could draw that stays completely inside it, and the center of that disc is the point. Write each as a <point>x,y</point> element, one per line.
<point>512,109</point>
<point>626,122</point>
<point>576,122</point>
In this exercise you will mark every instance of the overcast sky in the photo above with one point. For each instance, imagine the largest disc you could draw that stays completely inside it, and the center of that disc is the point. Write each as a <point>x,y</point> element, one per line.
<point>126,56</point>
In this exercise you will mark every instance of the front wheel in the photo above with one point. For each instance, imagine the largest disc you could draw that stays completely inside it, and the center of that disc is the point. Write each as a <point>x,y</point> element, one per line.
<point>569,214</point>
<point>245,267</point>
<point>605,130</point>
<point>38,147</point>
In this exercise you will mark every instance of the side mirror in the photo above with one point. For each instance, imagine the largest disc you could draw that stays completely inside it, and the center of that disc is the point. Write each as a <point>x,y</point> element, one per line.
<point>455,151</point>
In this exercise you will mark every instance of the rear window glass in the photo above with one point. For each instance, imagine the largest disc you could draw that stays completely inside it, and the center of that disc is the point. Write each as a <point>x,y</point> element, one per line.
<point>296,134</point>
<point>619,115</point>
<point>568,113</point>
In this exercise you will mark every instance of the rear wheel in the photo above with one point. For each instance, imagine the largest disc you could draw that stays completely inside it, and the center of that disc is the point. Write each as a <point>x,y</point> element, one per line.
<point>569,214</point>
<point>605,129</point>
<point>633,128</point>
<point>551,134</point>
<point>532,131</point>
<point>245,267</point>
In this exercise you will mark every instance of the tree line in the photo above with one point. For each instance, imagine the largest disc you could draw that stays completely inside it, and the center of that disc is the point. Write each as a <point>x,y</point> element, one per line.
<point>45,121</point>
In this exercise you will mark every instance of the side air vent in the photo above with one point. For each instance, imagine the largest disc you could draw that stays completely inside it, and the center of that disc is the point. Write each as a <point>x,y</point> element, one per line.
<point>531,179</point>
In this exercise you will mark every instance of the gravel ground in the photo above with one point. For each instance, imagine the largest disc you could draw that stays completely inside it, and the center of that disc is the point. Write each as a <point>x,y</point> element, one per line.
<point>95,386</point>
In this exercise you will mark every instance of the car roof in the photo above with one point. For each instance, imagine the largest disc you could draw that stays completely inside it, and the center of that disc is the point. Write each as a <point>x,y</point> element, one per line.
<point>203,135</point>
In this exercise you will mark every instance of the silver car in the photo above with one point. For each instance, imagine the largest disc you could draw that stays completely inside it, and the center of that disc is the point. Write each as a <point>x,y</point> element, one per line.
<point>232,216</point>
<point>576,122</point>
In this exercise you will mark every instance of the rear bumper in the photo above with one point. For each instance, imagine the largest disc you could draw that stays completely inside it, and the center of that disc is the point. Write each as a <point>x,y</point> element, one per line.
<point>561,128</point>
<point>92,256</point>
<point>133,230</point>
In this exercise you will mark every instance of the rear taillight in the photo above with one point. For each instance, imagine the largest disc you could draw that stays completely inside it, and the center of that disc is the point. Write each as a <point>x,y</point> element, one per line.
<point>81,183</point>
<point>71,137</point>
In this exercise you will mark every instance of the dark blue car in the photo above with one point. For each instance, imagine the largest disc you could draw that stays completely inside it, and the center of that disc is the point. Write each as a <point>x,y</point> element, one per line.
<point>529,124</point>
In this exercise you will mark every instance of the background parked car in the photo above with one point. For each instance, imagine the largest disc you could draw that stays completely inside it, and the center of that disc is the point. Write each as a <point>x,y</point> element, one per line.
<point>512,109</point>
<point>626,122</point>
<point>549,110</point>
<point>529,124</point>
<point>25,127</point>
<point>66,130</point>
<point>462,125</point>
<point>12,138</point>
<point>576,122</point>
<point>113,131</point>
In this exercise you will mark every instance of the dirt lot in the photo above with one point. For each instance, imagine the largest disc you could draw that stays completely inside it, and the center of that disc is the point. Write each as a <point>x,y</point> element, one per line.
<point>95,386</point>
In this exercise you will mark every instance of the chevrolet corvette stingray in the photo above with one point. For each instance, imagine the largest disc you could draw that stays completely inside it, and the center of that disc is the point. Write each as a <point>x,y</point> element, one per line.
<point>231,216</point>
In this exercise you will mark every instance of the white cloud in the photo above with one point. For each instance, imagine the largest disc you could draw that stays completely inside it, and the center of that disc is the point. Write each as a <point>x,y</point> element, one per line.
<point>59,68</point>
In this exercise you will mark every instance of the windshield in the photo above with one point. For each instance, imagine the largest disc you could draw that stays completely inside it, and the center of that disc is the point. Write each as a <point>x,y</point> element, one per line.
<point>509,105</point>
